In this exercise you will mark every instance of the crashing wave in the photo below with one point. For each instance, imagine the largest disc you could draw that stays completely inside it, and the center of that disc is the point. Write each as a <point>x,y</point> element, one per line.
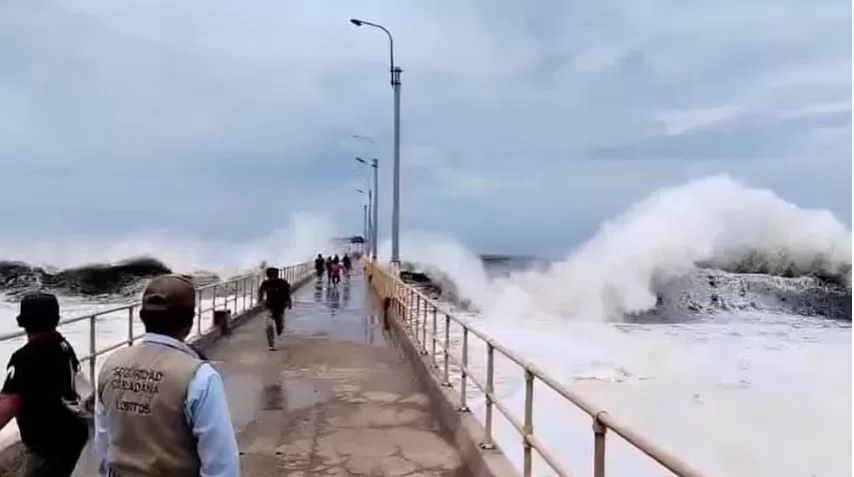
<point>754,284</point>
<point>122,278</point>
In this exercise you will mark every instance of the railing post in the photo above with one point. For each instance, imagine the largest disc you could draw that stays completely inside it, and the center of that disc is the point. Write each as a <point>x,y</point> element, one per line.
<point>413,329</point>
<point>490,389</point>
<point>528,425</point>
<point>463,373</point>
<point>213,304</point>
<point>599,431</point>
<point>92,349</point>
<point>409,304</point>
<point>200,311</point>
<point>253,295</point>
<point>446,381</point>
<point>433,350</point>
<point>245,285</point>
<point>130,325</point>
<point>424,329</point>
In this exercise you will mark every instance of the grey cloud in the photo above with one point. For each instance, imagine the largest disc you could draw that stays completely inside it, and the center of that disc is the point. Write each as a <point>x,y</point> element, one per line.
<point>527,105</point>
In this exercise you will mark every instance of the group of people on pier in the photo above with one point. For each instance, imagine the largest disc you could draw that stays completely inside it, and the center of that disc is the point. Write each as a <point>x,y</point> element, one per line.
<point>333,267</point>
<point>159,407</point>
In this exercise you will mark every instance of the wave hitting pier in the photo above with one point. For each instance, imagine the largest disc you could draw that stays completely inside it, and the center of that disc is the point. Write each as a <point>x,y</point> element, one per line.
<point>359,384</point>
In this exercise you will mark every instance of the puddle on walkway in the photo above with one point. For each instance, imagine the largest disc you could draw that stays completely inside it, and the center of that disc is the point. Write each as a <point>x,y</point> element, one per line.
<point>335,312</point>
<point>345,326</point>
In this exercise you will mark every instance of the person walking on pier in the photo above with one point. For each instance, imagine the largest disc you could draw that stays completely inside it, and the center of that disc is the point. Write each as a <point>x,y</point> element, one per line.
<point>319,266</point>
<point>347,264</point>
<point>161,409</point>
<point>40,392</point>
<point>275,292</point>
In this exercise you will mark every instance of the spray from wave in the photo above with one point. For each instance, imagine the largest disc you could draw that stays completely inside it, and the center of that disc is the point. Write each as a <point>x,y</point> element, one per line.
<point>305,235</point>
<point>620,271</point>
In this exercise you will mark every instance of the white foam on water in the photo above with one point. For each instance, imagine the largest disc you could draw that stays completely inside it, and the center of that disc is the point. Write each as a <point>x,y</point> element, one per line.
<point>738,395</point>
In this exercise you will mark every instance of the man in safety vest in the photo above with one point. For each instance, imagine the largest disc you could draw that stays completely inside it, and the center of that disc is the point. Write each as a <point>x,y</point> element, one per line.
<point>161,409</point>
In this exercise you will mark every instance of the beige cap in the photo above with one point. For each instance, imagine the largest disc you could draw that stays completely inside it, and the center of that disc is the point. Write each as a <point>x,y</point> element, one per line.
<point>169,292</point>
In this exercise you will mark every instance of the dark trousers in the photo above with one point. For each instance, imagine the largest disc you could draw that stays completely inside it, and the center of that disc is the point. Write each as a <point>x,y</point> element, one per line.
<point>55,464</point>
<point>278,315</point>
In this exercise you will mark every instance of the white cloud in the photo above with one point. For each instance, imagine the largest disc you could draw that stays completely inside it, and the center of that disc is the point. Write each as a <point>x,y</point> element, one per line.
<point>679,122</point>
<point>242,103</point>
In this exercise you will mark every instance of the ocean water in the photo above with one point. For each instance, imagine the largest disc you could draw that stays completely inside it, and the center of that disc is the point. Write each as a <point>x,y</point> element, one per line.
<point>747,393</point>
<point>735,395</point>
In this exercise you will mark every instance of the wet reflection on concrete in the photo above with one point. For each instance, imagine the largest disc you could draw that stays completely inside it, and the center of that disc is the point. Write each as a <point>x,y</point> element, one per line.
<point>272,397</point>
<point>344,315</point>
<point>345,292</point>
<point>332,299</point>
<point>318,290</point>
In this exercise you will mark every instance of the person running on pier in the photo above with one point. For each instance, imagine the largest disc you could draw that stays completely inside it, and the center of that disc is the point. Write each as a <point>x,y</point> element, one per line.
<point>275,292</point>
<point>329,263</point>
<point>161,408</point>
<point>335,273</point>
<point>347,264</point>
<point>40,392</point>
<point>319,265</point>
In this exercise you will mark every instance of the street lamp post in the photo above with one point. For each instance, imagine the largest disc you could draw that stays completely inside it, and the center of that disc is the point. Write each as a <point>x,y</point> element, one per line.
<point>395,86</point>
<point>366,226</point>
<point>375,164</point>
<point>370,228</point>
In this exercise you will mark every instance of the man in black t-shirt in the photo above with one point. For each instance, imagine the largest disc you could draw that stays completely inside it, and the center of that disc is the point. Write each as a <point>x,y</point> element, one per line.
<point>39,392</point>
<point>276,295</point>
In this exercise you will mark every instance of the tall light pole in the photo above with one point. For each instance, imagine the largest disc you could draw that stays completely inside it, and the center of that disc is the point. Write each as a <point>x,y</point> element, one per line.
<point>375,164</point>
<point>395,86</point>
<point>369,227</point>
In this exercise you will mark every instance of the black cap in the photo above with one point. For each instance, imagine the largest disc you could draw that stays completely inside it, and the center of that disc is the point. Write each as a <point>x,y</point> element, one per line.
<point>39,311</point>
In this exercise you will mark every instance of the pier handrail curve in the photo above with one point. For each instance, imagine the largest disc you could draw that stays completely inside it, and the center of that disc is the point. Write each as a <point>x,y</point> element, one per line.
<point>238,293</point>
<point>413,307</point>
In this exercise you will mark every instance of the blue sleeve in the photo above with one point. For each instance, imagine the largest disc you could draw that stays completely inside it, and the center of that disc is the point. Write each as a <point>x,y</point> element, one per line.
<point>101,439</point>
<point>207,414</point>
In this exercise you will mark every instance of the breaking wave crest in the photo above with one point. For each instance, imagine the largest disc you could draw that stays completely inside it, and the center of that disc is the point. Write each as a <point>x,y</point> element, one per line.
<point>676,234</point>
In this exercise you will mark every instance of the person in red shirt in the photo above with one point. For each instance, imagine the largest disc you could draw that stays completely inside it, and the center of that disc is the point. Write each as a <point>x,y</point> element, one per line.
<point>336,273</point>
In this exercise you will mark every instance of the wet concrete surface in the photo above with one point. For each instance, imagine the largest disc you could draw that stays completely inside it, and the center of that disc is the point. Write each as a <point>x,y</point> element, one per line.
<point>335,398</point>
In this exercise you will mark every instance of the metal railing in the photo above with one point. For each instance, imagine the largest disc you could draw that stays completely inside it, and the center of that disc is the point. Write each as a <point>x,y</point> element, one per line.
<point>421,316</point>
<point>237,295</point>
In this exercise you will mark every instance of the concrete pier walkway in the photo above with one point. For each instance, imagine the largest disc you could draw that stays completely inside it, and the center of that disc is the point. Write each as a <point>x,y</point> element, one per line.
<point>336,398</point>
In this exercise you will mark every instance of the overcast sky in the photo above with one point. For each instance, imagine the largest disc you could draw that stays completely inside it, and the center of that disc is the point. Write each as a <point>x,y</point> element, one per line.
<point>525,123</point>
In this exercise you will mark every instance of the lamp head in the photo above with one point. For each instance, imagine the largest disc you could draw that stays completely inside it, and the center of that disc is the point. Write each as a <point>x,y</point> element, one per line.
<point>356,22</point>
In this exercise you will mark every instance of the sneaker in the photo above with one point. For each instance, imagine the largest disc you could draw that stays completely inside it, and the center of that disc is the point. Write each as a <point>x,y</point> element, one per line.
<point>272,347</point>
